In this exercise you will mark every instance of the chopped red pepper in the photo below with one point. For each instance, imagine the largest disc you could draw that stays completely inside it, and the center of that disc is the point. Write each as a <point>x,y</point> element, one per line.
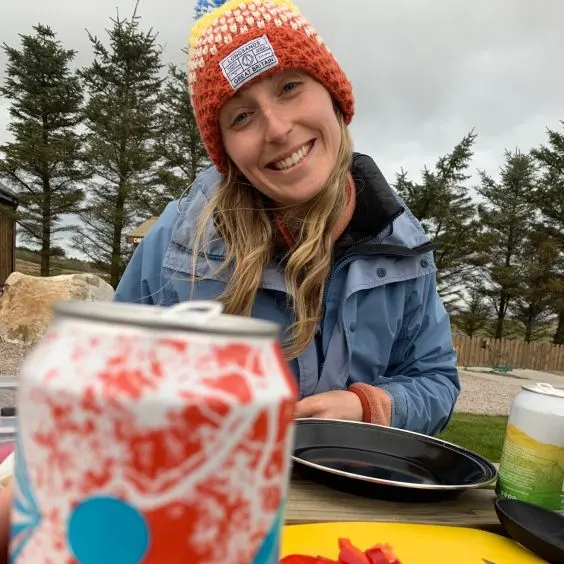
<point>298,559</point>
<point>376,556</point>
<point>350,554</point>
<point>382,554</point>
<point>302,559</point>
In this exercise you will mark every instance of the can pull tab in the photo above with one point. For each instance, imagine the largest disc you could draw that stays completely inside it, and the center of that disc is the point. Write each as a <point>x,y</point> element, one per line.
<point>549,389</point>
<point>200,311</point>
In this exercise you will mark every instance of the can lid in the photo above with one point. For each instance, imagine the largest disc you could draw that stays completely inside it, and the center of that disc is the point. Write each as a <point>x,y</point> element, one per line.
<point>546,389</point>
<point>9,382</point>
<point>194,316</point>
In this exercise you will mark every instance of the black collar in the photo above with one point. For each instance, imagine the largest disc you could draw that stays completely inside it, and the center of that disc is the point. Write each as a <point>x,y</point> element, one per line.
<point>376,206</point>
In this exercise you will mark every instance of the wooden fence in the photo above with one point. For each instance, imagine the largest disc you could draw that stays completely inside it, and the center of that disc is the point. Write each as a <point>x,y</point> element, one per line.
<point>505,354</point>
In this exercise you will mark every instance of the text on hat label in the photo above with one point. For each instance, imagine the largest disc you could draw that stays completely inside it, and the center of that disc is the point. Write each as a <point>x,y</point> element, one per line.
<point>248,61</point>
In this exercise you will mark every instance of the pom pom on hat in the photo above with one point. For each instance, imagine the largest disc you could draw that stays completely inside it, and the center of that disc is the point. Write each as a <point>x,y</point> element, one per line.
<point>237,42</point>
<point>206,6</point>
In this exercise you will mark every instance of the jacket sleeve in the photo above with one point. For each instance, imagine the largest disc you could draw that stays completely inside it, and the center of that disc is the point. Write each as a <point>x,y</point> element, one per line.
<point>142,280</point>
<point>422,378</point>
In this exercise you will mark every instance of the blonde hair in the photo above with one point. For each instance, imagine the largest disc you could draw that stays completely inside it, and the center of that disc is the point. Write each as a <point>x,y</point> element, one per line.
<point>243,219</point>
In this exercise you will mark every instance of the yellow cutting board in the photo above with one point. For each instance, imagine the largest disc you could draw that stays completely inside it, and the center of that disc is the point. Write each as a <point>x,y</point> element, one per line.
<point>413,544</point>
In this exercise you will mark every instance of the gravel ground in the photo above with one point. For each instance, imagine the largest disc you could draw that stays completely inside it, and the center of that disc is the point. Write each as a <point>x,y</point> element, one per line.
<point>11,356</point>
<point>491,396</point>
<point>485,395</point>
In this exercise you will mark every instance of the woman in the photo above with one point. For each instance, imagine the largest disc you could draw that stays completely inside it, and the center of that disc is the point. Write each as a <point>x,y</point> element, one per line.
<point>291,225</point>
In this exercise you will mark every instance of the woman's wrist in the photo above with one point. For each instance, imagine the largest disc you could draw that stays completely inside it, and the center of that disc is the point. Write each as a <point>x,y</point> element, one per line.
<point>376,403</point>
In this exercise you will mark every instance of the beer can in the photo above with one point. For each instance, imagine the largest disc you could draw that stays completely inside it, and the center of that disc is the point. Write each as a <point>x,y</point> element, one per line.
<point>153,435</point>
<point>532,460</point>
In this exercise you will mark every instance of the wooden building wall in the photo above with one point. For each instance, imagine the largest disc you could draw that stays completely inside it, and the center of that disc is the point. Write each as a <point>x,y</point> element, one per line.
<point>7,245</point>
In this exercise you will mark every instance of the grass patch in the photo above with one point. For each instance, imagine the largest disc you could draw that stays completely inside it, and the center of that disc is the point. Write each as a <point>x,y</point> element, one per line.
<point>483,434</point>
<point>28,262</point>
<point>56,262</point>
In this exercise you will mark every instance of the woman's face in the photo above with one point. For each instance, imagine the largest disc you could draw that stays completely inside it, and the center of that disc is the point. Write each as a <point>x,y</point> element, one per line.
<point>283,135</point>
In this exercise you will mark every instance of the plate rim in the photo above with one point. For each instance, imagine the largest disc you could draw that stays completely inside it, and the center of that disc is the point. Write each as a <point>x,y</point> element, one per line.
<point>499,504</point>
<point>477,458</point>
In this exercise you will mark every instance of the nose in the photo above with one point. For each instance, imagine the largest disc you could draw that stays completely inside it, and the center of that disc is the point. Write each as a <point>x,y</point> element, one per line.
<point>277,125</point>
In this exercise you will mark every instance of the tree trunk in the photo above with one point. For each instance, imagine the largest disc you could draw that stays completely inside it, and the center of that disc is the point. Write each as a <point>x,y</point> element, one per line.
<point>115,267</point>
<point>500,318</point>
<point>45,254</point>
<point>46,208</point>
<point>499,326</point>
<point>559,335</point>
<point>529,330</point>
<point>46,229</point>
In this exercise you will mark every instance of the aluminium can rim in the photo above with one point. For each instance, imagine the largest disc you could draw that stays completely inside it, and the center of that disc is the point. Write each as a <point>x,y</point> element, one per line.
<point>197,317</point>
<point>544,389</point>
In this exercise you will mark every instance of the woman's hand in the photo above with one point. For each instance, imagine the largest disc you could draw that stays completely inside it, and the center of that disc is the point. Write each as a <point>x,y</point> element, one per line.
<point>338,404</point>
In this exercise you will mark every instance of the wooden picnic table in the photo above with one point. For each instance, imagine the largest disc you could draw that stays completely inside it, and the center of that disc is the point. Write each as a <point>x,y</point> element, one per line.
<point>310,502</point>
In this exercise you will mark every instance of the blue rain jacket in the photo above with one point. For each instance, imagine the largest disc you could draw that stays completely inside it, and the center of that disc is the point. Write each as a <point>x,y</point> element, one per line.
<point>384,323</point>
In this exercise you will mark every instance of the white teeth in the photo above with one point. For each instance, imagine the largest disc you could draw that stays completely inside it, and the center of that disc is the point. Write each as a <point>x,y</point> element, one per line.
<point>294,159</point>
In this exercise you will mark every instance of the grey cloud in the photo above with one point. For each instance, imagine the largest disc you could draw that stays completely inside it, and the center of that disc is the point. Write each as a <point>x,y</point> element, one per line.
<point>425,72</point>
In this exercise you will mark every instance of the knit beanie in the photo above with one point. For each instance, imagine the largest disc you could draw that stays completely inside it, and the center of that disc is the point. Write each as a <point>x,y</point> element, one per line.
<point>235,43</point>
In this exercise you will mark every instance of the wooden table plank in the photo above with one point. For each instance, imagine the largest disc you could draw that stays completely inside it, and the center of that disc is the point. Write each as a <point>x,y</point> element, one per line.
<point>309,502</point>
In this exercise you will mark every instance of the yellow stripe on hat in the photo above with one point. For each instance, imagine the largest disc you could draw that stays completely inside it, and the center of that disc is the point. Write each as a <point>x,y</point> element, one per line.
<point>212,18</point>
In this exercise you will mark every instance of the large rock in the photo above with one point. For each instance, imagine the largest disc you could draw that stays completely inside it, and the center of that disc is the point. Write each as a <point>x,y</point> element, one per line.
<point>27,301</point>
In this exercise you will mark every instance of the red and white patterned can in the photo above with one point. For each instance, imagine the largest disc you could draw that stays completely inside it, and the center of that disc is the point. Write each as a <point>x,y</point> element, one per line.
<point>152,435</point>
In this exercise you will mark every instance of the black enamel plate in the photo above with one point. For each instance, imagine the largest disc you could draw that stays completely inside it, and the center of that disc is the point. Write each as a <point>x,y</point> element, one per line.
<point>538,529</point>
<point>383,462</point>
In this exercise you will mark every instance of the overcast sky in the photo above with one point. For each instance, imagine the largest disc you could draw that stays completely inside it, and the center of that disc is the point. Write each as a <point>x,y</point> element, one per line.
<point>425,72</point>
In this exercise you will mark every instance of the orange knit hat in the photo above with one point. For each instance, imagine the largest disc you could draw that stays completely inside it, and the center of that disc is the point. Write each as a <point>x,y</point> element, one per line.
<point>237,42</point>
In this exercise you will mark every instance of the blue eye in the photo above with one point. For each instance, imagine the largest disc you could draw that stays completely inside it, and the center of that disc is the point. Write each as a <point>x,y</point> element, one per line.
<point>290,86</point>
<point>239,118</point>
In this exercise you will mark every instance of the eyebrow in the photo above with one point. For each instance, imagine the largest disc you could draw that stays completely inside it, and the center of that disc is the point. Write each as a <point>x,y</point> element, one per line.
<point>239,94</point>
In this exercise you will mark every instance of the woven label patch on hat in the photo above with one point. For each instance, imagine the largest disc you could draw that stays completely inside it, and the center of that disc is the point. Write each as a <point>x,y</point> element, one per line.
<point>249,60</point>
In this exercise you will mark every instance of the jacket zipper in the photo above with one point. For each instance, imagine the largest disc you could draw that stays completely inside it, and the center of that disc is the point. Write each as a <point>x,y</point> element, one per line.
<point>211,257</point>
<point>344,261</point>
<point>351,257</point>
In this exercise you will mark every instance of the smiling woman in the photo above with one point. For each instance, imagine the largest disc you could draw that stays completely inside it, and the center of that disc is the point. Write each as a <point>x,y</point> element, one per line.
<point>284,135</point>
<point>291,225</point>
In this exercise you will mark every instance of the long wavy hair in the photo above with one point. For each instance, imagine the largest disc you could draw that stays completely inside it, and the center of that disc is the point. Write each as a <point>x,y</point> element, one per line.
<point>244,219</point>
